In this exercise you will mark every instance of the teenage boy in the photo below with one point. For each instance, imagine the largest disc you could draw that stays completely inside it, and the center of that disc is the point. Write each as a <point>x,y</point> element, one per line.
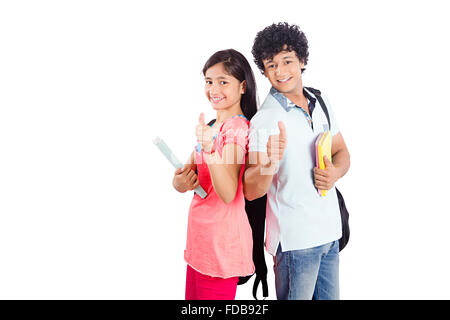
<point>303,229</point>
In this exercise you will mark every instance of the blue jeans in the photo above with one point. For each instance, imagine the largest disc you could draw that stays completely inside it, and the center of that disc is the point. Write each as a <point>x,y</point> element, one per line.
<point>308,274</point>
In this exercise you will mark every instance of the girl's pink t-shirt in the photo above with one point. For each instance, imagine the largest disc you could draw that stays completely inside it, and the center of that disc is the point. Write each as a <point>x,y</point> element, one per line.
<point>219,237</point>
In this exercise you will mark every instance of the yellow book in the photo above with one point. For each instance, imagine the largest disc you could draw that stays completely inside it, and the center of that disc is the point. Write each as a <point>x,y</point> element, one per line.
<point>318,140</point>
<point>323,148</point>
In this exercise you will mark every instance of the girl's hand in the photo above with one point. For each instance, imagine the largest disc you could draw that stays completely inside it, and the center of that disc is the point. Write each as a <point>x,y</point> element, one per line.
<point>205,134</point>
<point>185,179</point>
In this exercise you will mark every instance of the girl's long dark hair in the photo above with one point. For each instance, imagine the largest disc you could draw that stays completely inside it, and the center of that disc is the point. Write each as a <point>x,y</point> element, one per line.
<point>237,65</point>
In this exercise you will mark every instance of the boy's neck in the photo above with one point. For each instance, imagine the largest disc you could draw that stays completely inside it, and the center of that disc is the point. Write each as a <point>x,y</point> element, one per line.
<point>298,97</point>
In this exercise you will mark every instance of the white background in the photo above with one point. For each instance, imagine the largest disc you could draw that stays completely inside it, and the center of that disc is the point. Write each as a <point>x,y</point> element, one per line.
<point>87,209</point>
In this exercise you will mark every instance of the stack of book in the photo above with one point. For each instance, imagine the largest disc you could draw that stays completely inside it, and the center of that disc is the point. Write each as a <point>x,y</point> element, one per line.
<point>323,148</point>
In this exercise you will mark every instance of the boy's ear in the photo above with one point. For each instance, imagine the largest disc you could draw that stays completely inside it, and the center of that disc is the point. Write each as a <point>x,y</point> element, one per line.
<point>302,64</point>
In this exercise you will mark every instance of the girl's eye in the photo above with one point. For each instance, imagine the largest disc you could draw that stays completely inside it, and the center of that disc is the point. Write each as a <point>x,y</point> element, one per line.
<point>223,82</point>
<point>208,82</point>
<point>271,66</point>
<point>287,62</point>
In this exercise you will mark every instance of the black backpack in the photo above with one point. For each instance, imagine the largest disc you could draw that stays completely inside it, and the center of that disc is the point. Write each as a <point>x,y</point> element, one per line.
<point>344,213</point>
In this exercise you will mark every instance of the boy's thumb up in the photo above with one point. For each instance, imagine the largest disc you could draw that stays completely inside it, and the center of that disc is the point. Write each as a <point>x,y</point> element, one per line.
<point>282,130</point>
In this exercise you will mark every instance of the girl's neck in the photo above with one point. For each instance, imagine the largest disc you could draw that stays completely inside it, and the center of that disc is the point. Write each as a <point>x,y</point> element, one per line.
<point>223,115</point>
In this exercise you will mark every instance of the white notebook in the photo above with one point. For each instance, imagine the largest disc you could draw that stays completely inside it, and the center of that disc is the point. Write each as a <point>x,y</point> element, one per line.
<point>162,146</point>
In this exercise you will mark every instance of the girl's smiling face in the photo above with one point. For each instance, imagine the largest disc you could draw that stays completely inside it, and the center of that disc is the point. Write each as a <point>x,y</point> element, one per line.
<point>222,89</point>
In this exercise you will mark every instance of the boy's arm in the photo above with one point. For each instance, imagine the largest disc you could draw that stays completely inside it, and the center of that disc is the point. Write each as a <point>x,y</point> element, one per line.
<point>258,175</point>
<point>326,179</point>
<point>262,166</point>
<point>340,155</point>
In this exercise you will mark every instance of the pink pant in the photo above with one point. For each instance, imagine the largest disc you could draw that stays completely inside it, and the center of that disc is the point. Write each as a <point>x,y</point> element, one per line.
<point>203,287</point>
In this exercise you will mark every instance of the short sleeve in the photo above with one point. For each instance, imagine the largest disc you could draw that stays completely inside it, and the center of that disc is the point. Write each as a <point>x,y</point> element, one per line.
<point>233,131</point>
<point>262,126</point>
<point>258,137</point>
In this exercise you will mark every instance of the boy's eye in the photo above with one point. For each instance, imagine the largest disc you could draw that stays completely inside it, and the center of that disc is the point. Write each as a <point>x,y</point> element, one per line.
<point>270,66</point>
<point>288,61</point>
<point>208,82</point>
<point>223,82</point>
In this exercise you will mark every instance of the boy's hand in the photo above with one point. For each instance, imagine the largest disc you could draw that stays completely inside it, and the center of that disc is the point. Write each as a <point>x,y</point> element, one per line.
<point>277,144</point>
<point>325,179</point>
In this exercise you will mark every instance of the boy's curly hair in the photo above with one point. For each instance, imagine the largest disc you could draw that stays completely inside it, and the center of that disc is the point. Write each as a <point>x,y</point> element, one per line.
<point>270,41</point>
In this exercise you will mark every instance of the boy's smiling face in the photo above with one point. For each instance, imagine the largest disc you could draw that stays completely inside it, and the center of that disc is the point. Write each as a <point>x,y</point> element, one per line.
<point>284,71</point>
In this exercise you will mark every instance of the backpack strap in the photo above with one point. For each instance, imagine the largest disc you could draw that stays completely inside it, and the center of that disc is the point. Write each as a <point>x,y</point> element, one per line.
<point>342,208</point>
<point>263,280</point>
<point>317,93</point>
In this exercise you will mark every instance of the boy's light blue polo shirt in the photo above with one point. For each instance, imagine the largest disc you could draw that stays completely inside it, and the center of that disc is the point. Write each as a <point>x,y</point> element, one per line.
<point>297,216</point>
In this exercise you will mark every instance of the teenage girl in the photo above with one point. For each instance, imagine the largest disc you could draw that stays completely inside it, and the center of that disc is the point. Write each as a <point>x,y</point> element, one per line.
<point>219,236</point>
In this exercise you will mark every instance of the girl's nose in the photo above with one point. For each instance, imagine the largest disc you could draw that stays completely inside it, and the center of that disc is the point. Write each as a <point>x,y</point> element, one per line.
<point>213,89</point>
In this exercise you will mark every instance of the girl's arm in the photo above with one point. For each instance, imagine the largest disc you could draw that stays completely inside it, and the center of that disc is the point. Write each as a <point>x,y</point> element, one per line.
<point>224,170</point>
<point>191,162</point>
<point>185,178</point>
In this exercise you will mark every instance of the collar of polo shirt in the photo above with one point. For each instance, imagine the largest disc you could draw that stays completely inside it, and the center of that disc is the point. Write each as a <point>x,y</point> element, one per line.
<point>288,104</point>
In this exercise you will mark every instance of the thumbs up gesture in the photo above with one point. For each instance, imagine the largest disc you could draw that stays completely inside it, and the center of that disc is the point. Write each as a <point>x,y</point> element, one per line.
<point>204,134</point>
<point>277,144</point>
